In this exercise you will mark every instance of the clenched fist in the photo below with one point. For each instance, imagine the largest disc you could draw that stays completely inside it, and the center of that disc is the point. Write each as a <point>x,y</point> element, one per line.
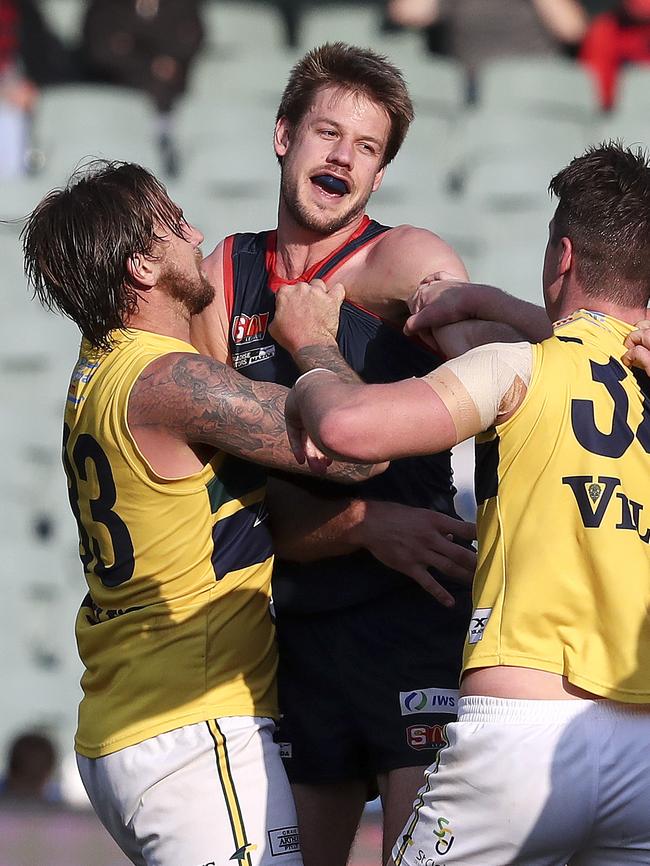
<point>307,314</point>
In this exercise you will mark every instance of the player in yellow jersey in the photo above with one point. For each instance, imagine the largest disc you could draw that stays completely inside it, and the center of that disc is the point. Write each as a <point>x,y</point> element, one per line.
<point>548,763</point>
<point>175,735</point>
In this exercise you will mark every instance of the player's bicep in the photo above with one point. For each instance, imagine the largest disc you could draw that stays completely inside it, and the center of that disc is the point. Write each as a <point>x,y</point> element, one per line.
<point>484,386</point>
<point>201,400</point>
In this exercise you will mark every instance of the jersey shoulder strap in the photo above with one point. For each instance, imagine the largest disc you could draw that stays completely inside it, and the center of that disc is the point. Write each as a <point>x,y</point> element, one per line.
<point>371,231</point>
<point>244,256</point>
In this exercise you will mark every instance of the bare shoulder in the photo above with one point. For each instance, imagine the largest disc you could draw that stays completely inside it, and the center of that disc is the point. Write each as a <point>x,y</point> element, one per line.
<point>397,263</point>
<point>419,251</point>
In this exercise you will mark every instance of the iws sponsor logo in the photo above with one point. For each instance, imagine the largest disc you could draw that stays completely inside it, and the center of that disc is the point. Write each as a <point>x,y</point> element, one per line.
<point>249,329</point>
<point>429,701</point>
<point>284,841</point>
<point>477,624</point>
<point>253,356</point>
<point>425,736</point>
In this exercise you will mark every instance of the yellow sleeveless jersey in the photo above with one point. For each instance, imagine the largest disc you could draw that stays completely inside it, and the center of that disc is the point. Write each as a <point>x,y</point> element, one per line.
<point>563,579</point>
<point>176,626</point>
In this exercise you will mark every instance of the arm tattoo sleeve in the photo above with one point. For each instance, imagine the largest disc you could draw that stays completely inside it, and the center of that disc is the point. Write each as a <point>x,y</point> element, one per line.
<point>206,401</point>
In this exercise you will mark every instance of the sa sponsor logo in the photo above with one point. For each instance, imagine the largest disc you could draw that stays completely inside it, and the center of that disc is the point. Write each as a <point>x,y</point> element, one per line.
<point>477,624</point>
<point>285,840</point>
<point>249,329</point>
<point>429,701</point>
<point>425,736</point>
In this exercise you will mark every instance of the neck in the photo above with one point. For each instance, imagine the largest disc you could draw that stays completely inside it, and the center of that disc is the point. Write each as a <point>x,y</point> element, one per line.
<point>163,316</point>
<point>631,315</point>
<point>298,248</point>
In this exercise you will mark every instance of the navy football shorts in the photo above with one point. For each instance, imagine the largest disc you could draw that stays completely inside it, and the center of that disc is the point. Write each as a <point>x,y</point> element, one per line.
<point>368,689</point>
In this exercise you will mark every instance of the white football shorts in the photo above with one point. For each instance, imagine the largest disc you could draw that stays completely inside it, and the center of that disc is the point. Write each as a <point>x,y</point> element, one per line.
<point>535,783</point>
<point>209,794</point>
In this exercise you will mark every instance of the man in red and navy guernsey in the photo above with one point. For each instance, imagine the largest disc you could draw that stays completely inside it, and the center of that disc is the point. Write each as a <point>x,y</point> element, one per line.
<point>371,590</point>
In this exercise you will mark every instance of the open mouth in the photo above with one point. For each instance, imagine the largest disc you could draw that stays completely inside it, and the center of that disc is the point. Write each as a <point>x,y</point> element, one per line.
<point>332,185</point>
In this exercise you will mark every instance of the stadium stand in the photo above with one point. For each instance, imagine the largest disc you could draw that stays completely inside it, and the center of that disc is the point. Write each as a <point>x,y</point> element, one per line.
<point>474,175</point>
<point>548,85</point>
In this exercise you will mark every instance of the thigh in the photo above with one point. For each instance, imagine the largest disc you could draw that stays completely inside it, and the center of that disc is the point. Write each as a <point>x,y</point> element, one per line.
<point>319,739</point>
<point>205,794</point>
<point>398,789</point>
<point>328,818</point>
<point>621,829</point>
<point>487,800</point>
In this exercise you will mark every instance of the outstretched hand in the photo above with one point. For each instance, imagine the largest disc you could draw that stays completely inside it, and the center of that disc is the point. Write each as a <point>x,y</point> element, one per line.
<point>307,314</point>
<point>638,347</point>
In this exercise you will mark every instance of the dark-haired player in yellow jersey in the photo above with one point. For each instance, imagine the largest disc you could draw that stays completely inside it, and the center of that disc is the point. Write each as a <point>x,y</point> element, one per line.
<point>548,763</point>
<point>175,736</point>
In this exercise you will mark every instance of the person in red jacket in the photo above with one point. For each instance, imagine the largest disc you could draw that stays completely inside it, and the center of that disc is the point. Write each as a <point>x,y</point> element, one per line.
<point>613,40</point>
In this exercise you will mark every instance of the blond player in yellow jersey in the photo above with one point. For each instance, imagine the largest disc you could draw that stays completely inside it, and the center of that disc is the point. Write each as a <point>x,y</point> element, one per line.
<point>548,763</point>
<point>175,736</point>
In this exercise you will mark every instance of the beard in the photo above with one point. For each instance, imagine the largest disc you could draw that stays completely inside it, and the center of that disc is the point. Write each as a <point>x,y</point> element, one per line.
<point>313,220</point>
<point>194,291</point>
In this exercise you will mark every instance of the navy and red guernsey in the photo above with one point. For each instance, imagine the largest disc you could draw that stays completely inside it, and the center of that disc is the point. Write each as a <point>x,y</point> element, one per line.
<point>379,352</point>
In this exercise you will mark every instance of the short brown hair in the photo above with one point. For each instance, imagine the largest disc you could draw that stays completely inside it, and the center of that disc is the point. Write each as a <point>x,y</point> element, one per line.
<point>78,240</point>
<point>355,69</point>
<point>604,209</point>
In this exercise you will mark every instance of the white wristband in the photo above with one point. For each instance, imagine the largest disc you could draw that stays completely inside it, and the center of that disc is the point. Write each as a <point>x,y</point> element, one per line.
<point>315,370</point>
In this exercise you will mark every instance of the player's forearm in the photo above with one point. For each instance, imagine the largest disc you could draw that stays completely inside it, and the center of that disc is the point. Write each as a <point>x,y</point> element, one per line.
<point>492,304</point>
<point>369,423</point>
<point>326,357</point>
<point>454,340</point>
<point>307,527</point>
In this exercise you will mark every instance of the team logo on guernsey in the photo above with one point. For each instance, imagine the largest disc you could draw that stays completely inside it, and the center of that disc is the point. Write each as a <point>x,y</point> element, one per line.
<point>285,840</point>
<point>477,624</point>
<point>249,329</point>
<point>429,701</point>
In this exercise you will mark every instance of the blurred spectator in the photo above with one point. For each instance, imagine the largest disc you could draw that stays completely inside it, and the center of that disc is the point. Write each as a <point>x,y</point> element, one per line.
<point>615,39</point>
<point>480,30</point>
<point>148,45</point>
<point>31,764</point>
<point>30,55</point>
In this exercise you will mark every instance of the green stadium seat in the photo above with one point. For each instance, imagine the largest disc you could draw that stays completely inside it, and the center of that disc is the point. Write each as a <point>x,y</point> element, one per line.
<point>75,122</point>
<point>239,28</point>
<point>545,85</point>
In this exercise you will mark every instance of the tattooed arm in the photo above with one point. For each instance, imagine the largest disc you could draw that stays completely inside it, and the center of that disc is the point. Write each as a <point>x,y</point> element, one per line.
<point>325,358</point>
<point>192,400</point>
